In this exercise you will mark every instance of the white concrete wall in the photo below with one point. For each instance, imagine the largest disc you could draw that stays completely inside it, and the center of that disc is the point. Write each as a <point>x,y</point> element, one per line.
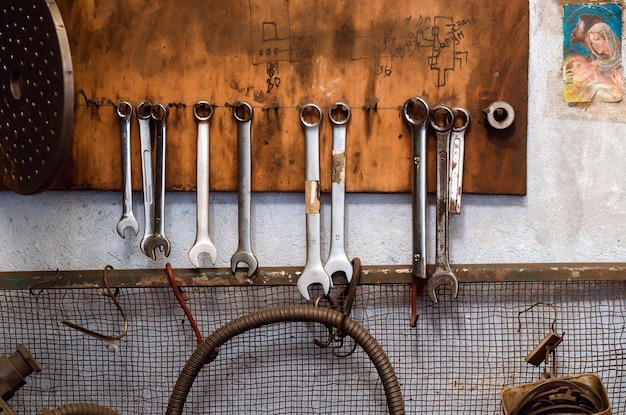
<point>573,211</point>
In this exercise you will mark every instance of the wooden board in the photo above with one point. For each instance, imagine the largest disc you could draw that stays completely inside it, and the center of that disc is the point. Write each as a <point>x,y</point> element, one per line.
<point>280,54</point>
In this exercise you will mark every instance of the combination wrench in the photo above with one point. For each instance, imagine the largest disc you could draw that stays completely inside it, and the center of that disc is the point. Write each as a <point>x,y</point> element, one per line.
<point>457,154</point>
<point>144,116</point>
<point>243,114</point>
<point>124,112</point>
<point>443,274</point>
<point>202,112</point>
<point>416,114</point>
<point>313,272</point>
<point>158,238</point>
<point>339,115</point>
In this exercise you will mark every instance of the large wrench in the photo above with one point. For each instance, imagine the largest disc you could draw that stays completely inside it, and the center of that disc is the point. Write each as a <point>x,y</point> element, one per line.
<point>158,238</point>
<point>339,115</point>
<point>243,115</point>
<point>202,111</point>
<point>457,154</point>
<point>124,111</point>
<point>313,272</point>
<point>443,274</point>
<point>144,115</point>
<point>416,113</point>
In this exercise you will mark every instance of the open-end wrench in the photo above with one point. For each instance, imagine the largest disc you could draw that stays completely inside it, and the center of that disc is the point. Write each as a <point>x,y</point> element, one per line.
<point>443,274</point>
<point>158,238</point>
<point>416,114</point>
<point>313,272</point>
<point>243,115</point>
<point>124,111</point>
<point>202,111</point>
<point>339,115</point>
<point>457,153</point>
<point>144,115</point>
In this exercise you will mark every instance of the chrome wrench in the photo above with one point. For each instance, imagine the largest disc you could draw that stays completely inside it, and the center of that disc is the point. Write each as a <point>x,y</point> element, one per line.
<point>313,272</point>
<point>202,111</point>
<point>457,154</point>
<point>416,113</point>
<point>339,115</point>
<point>124,112</point>
<point>243,115</point>
<point>443,274</point>
<point>158,238</point>
<point>144,116</point>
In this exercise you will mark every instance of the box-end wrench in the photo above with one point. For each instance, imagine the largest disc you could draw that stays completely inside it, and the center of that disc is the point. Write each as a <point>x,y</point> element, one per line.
<point>202,112</point>
<point>124,112</point>
<point>457,154</point>
<point>443,274</point>
<point>339,115</point>
<point>144,116</point>
<point>243,114</point>
<point>158,238</point>
<point>416,114</point>
<point>313,272</point>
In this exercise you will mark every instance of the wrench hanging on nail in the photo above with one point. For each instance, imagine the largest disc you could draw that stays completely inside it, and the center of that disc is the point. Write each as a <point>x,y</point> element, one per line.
<point>144,116</point>
<point>243,114</point>
<point>202,111</point>
<point>158,238</point>
<point>339,115</point>
<point>457,154</point>
<point>416,113</point>
<point>124,112</point>
<point>313,272</point>
<point>443,273</point>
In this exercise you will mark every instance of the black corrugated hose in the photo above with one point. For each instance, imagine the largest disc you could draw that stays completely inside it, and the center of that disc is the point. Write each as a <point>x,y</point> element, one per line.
<point>207,351</point>
<point>80,409</point>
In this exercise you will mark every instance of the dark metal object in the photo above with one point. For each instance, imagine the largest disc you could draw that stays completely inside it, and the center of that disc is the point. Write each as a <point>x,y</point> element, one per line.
<point>13,372</point>
<point>37,86</point>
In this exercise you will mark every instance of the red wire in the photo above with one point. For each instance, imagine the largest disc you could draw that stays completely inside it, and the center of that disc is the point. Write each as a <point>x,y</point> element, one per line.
<point>180,299</point>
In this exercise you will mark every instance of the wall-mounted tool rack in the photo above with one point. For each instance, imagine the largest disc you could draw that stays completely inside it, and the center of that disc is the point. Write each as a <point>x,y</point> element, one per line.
<point>279,54</point>
<point>146,278</point>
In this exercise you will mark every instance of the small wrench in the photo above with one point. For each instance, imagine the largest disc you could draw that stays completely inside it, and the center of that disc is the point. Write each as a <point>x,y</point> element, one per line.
<point>124,112</point>
<point>243,115</point>
<point>443,274</point>
<point>416,113</point>
<point>339,115</point>
<point>202,111</point>
<point>313,272</point>
<point>144,115</point>
<point>158,238</point>
<point>457,153</point>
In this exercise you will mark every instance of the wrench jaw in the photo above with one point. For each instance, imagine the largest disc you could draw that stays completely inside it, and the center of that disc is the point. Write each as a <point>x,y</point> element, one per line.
<point>244,257</point>
<point>201,248</point>
<point>310,276</point>
<point>127,221</point>
<point>338,263</point>
<point>442,278</point>
<point>157,241</point>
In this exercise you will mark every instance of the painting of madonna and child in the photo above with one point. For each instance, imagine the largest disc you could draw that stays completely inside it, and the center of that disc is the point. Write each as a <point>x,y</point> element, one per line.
<point>592,53</point>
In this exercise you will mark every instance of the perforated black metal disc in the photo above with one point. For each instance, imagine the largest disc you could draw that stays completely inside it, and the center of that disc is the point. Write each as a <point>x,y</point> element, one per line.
<point>37,86</point>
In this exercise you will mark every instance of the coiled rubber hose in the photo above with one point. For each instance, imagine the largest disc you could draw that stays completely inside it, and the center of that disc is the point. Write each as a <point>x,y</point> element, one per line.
<point>207,350</point>
<point>80,409</point>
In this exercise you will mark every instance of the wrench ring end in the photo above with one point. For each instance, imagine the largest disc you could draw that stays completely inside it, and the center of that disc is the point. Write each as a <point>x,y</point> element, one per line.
<point>200,105</point>
<point>341,107</point>
<point>407,114</point>
<point>124,110</point>
<point>308,108</point>
<point>247,111</point>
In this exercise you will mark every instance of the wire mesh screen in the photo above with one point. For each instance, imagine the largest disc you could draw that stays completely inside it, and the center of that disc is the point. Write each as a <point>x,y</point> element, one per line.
<point>457,360</point>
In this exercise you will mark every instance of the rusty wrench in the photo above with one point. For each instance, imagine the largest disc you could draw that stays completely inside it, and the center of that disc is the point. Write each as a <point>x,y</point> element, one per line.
<point>443,274</point>
<point>243,115</point>
<point>339,115</point>
<point>457,153</point>
<point>124,112</point>
<point>416,113</point>
<point>144,115</point>
<point>158,238</point>
<point>313,272</point>
<point>202,112</point>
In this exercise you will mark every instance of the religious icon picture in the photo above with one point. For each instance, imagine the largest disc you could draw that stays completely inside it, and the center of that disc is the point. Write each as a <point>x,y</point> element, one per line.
<point>592,52</point>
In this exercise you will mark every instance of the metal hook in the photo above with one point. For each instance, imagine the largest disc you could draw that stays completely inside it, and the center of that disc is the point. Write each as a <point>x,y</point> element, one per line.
<point>37,284</point>
<point>117,304</point>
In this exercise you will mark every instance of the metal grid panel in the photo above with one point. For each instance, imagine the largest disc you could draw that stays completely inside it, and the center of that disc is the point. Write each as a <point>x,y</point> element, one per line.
<point>457,360</point>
